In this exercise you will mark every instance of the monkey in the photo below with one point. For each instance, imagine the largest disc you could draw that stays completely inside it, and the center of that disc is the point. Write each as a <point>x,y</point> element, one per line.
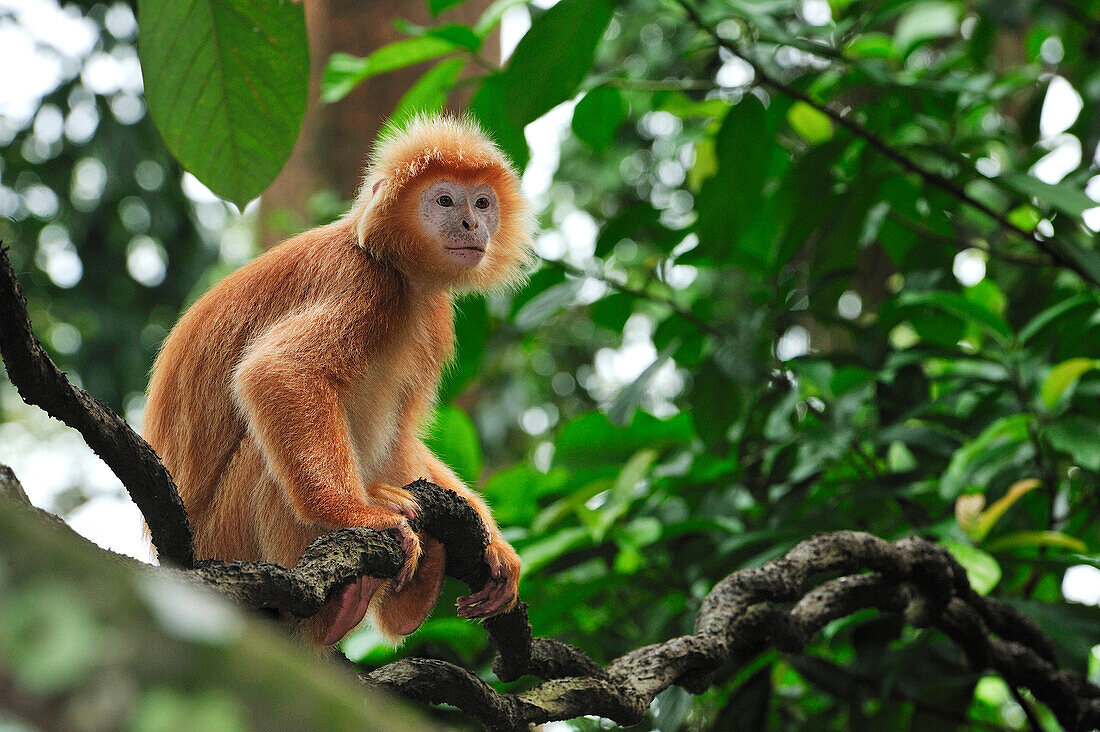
<point>289,399</point>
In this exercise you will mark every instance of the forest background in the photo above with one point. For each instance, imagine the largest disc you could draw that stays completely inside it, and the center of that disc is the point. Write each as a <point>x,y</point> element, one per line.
<point>805,266</point>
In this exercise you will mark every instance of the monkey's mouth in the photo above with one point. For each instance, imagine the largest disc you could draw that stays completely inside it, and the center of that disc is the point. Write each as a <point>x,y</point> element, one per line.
<point>466,256</point>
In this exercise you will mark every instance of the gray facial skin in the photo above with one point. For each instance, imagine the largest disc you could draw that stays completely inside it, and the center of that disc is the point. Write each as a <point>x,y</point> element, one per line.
<point>461,217</point>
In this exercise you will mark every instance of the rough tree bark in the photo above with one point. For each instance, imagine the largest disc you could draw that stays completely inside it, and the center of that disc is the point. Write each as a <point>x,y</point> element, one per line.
<point>781,604</point>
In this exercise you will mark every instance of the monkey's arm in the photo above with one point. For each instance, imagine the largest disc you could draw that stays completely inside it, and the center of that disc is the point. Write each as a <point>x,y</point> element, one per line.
<point>502,590</point>
<point>288,385</point>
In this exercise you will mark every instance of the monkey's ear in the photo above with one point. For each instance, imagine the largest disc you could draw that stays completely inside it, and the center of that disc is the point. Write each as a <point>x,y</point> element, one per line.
<point>365,202</point>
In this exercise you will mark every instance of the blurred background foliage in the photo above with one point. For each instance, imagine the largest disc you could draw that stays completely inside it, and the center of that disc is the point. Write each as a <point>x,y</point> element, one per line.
<point>806,265</point>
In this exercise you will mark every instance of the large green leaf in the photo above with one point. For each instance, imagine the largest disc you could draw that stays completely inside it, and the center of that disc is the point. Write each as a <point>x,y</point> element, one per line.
<point>924,21</point>
<point>1063,377</point>
<point>226,84</point>
<point>553,57</point>
<point>965,309</point>
<point>471,332</point>
<point>1079,437</point>
<point>982,569</point>
<point>809,123</point>
<point>490,107</point>
<point>598,115</point>
<point>438,6</point>
<point>591,439</point>
<point>716,402</point>
<point>429,93</point>
<point>453,439</point>
<point>986,448</point>
<point>345,71</point>
<point>730,201</point>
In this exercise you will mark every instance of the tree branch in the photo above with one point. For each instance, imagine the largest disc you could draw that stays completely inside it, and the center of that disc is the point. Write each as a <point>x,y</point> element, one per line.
<point>42,384</point>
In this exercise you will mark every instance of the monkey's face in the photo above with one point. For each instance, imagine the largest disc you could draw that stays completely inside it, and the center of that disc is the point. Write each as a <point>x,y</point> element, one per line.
<point>459,220</point>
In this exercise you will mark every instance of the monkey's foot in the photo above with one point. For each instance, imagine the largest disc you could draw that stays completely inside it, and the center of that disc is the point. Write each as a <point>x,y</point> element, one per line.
<point>501,591</point>
<point>352,607</point>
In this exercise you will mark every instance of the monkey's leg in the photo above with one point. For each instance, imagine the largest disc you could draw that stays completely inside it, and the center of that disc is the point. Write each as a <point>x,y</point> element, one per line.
<point>349,608</point>
<point>396,614</point>
<point>226,529</point>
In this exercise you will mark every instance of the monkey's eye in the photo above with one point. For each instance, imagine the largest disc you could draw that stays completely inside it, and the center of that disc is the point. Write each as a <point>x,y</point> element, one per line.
<point>482,202</point>
<point>445,201</point>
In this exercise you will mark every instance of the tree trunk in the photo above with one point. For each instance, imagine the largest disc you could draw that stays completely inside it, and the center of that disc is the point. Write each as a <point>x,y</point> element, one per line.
<point>335,139</point>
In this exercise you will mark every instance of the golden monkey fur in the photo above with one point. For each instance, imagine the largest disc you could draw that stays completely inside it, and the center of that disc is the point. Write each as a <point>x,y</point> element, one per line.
<point>289,399</point>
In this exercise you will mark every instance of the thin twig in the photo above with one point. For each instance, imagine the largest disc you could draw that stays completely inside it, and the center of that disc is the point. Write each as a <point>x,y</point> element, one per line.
<point>682,312</point>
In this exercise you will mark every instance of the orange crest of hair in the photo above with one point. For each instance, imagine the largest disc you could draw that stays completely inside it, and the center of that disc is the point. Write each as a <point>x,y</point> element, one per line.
<point>432,147</point>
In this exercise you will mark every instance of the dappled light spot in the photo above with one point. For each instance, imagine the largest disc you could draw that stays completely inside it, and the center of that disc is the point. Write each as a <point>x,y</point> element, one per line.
<point>146,260</point>
<point>1081,583</point>
<point>969,267</point>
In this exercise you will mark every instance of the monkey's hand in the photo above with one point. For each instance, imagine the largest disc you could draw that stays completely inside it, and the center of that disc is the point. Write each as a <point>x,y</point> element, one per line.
<point>382,519</point>
<point>502,590</point>
<point>393,499</point>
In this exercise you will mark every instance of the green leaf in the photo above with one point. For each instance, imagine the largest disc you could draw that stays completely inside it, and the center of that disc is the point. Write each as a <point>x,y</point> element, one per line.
<point>547,304</point>
<point>809,123</point>
<point>982,569</point>
<point>345,71</point>
<point>613,311</point>
<point>1025,217</point>
<point>623,491</point>
<point>925,21</point>
<point>226,84</point>
<point>1060,196</point>
<point>490,108</point>
<point>514,492</point>
<point>435,7</point>
<point>429,93</point>
<point>965,309</point>
<point>640,222</point>
<point>591,439</point>
<point>535,556</point>
<point>1062,378</point>
<point>988,518</point>
<point>1036,539</point>
<point>490,19</point>
<point>1078,437</point>
<point>1085,261</point>
<point>715,404</point>
<point>471,333</point>
<point>871,45</point>
<point>1073,627</point>
<point>459,35</point>
<point>1054,313</point>
<point>730,201</point>
<point>1007,431</point>
<point>598,115</point>
<point>553,57</point>
<point>453,439</point>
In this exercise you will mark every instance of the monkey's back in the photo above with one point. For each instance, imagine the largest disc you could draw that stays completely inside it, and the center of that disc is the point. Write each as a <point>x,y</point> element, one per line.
<point>191,418</point>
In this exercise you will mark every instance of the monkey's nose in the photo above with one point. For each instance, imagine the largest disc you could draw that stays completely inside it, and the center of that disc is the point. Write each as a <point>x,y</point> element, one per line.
<point>467,225</point>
